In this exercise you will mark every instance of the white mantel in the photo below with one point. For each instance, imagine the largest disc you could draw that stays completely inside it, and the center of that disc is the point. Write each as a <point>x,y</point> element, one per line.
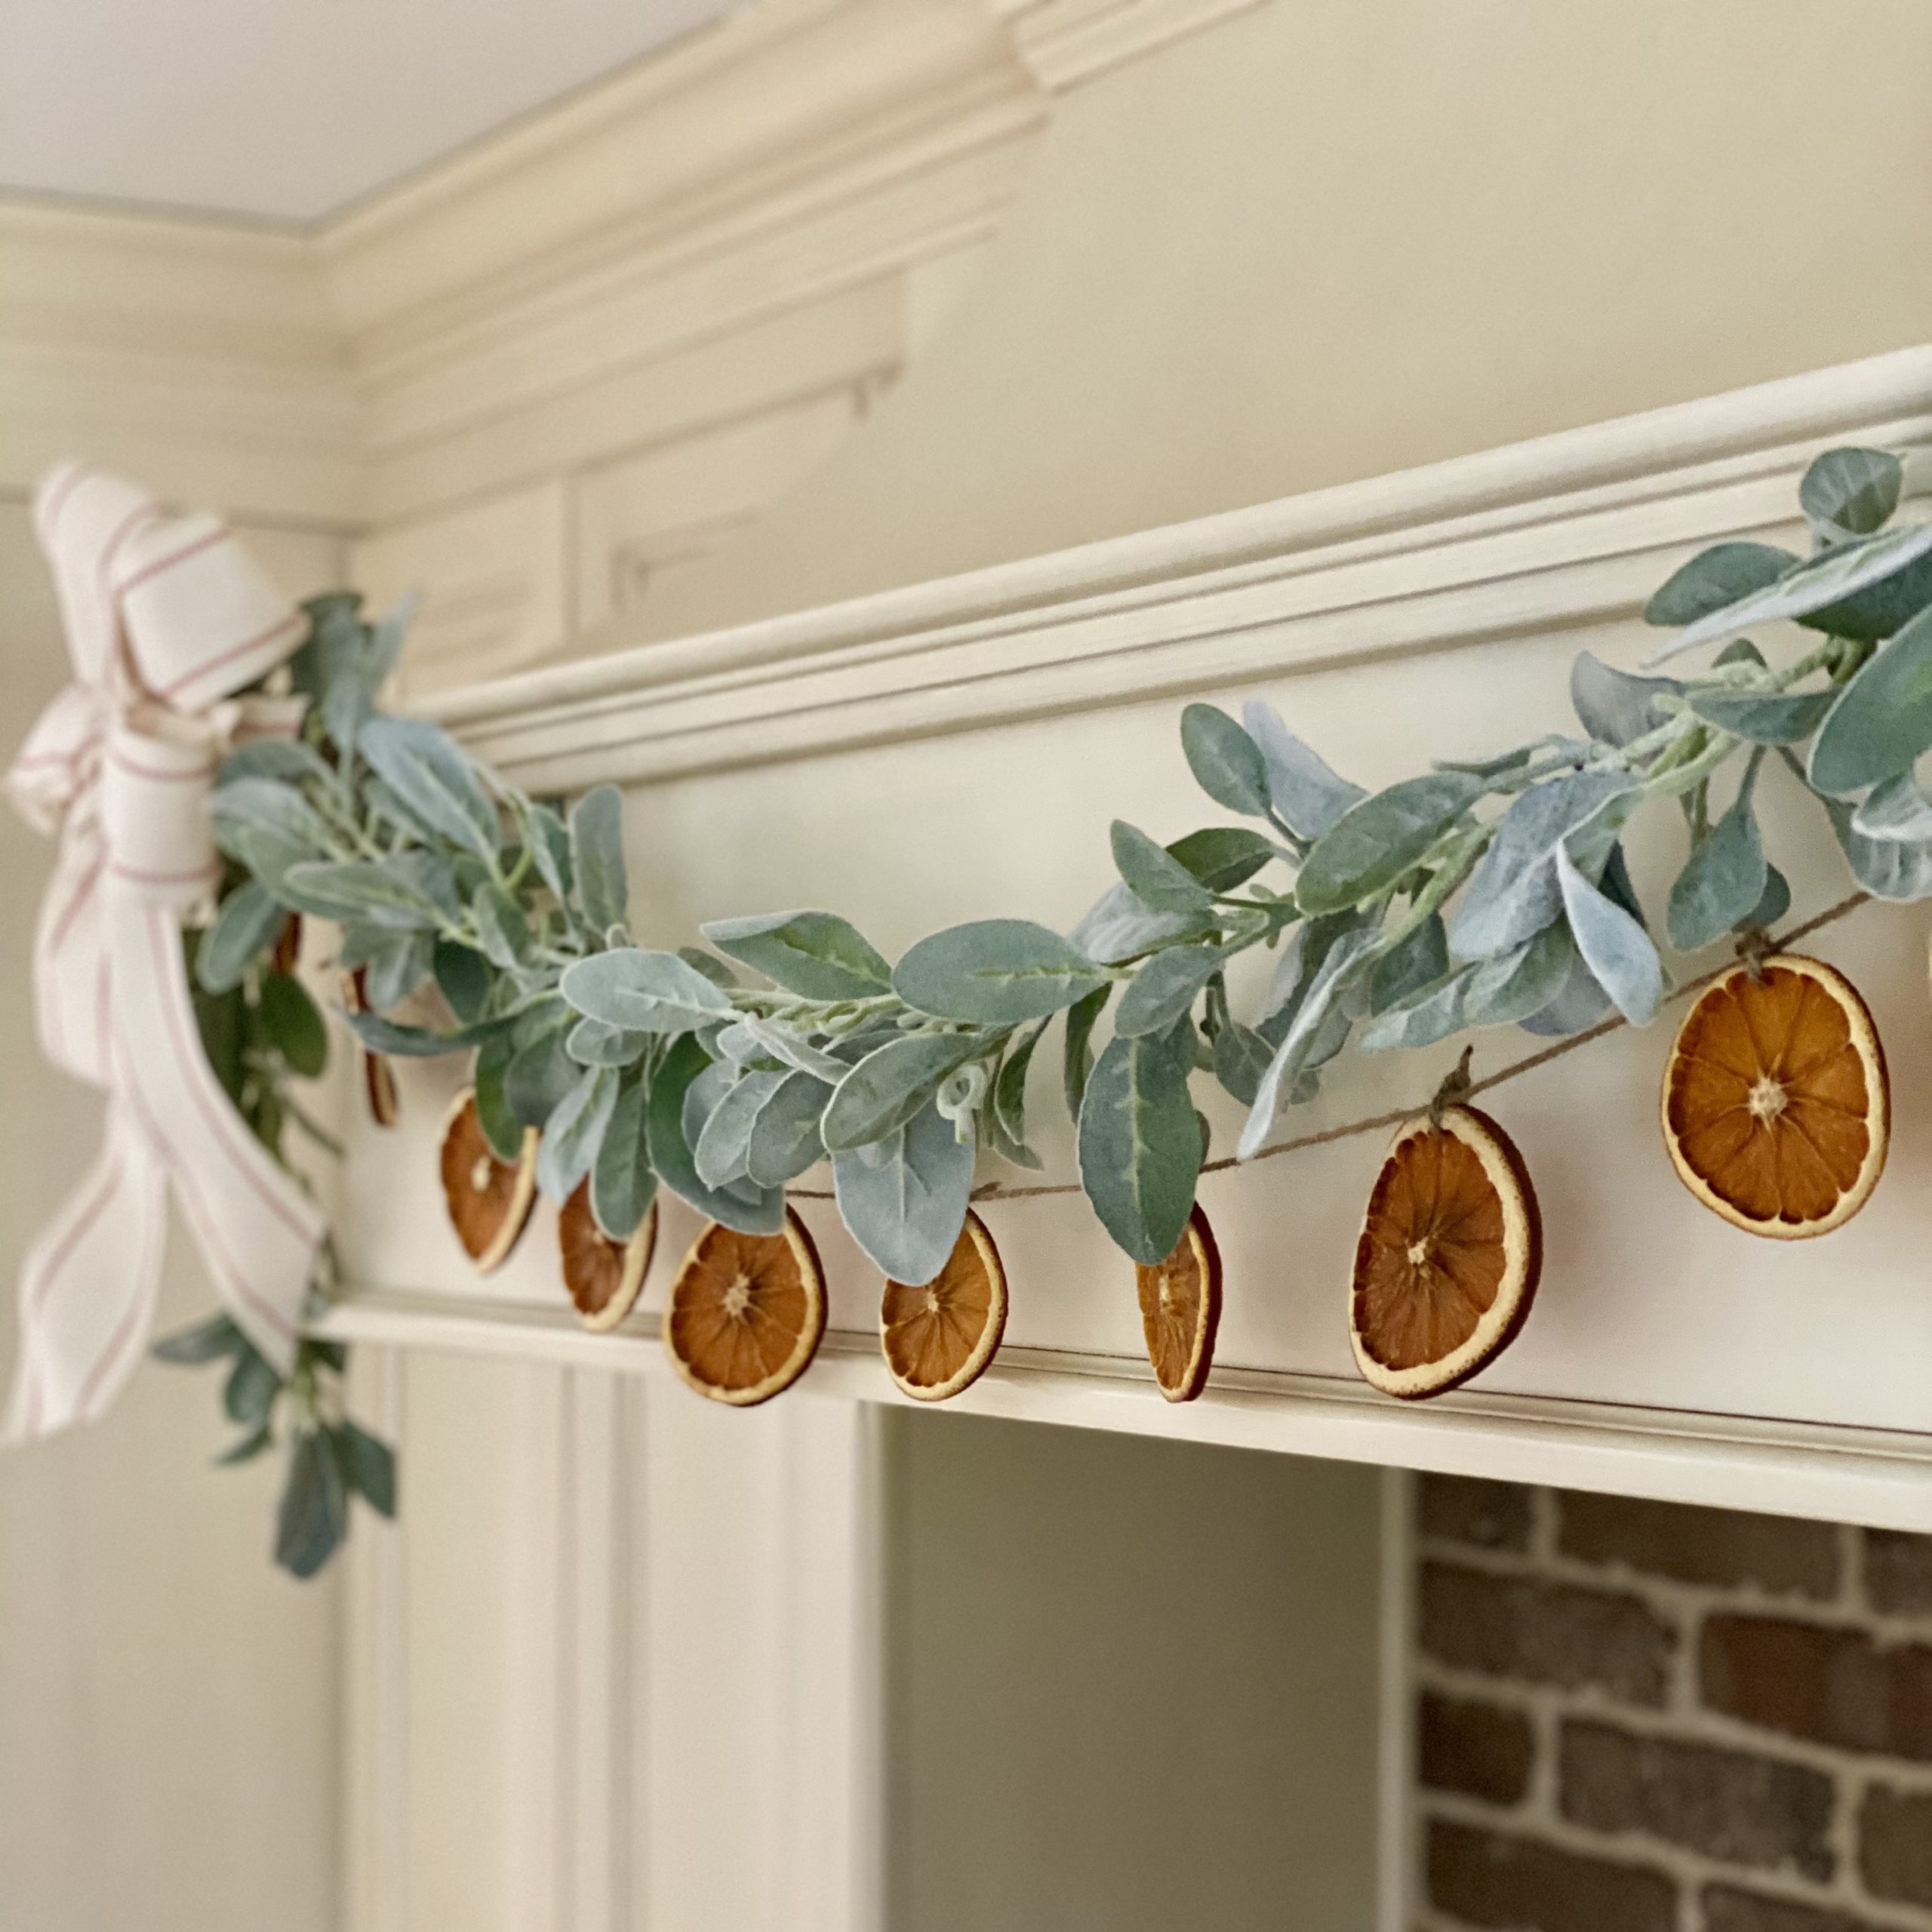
<point>1001,719</point>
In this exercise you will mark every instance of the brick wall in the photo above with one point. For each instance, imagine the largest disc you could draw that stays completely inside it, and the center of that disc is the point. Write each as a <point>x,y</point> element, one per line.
<point>1634,1716</point>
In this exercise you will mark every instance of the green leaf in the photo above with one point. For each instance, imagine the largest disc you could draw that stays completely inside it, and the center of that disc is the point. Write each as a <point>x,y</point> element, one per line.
<point>425,768</point>
<point>1897,811</point>
<point>247,1448</point>
<point>1008,1113</point>
<point>643,993</point>
<point>1428,1014</point>
<point>817,956</point>
<point>591,1043</point>
<point>1374,843</point>
<point>549,840</point>
<point>1722,881</point>
<point>1345,960</point>
<point>501,1128</point>
<point>464,977</point>
<point>1715,578</point>
<point>1419,960</point>
<point>903,1198</point>
<point>574,1131</point>
<point>315,1507</point>
<point>367,1465</point>
<point>1241,1056</point>
<point>785,1137</point>
<point>597,854</point>
<point>1772,906</point>
<point>211,1341</point>
<point>294,1025</point>
<point>1614,706</point>
<point>1851,492</point>
<point>249,1394</point>
<point>1226,763</point>
<point>723,1151</point>
<point>1886,867</point>
<point>400,1042</point>
<point>1140,1147</point>
<point>248,923</point>
<point>750,1209</point>
<point>1614,945</point>
<point>1166,988</point>
<point>1513,985</point>
<point>538,1076</point>
<point>361,892</point>
<point>884,1091</point>
<point>287,759</point>
<point>397,963</point>
<point>1154,875</point>
<point>1120,926</point>
<point>1308,797</point>
<point>1765,718</point>
<point>782,1043</point>
<point>1514,893</point>
<point>1082,1017</point>
<point>622,1184</point>
<point>1223,856</point>
<point>1882,721</point>
<point>501,927</point>
<point>998,972</point>
<point>1822,590</point>
<point>713,968</point>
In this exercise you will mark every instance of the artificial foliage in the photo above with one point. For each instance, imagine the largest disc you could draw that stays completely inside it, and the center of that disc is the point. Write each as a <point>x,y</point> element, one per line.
<point>1475,894</point>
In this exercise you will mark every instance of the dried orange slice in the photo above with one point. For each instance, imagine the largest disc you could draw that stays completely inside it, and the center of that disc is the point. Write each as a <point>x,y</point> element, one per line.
<point>1450,1252</point>
<point>488,1200</point>
<point>1180,1309</point>
<point>1776,1108</point>
<point>602,1276</point>
<point>378,1076</point>
<point>938,1338</point>
<point>746,1312</point>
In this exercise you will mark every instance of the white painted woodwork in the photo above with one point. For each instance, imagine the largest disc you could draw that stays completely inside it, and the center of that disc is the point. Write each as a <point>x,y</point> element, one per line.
<point>957,749</point>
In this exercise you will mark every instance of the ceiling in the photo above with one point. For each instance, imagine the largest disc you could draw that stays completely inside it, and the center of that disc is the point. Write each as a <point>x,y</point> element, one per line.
<point>288,110</point>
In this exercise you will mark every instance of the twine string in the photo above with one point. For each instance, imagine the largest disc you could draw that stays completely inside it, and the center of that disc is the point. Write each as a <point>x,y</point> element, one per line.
<point>1456,1088</point>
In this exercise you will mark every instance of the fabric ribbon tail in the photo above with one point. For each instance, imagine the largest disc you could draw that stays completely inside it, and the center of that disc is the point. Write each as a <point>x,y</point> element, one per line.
<point>87,1290</point>
<point>257,1229</point>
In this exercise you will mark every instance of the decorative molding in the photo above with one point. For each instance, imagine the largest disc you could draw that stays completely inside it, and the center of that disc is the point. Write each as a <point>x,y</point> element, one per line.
<point>1879,1477</point>
<point>1566,530</point>
<point>1064,42</point>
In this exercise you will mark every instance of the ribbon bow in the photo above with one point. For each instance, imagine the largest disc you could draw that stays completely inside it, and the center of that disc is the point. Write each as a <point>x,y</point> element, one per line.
<point>166,618</point>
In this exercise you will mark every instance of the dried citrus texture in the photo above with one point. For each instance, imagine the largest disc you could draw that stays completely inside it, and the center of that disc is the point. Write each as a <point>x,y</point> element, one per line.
<point>1450,1252</point>
<point>489,1200</point>
<point>1180,1308</point>
<point>378,1076</point>
<point>603,1276</point>
<point>939,1338</point>
<point>746,1312</point>
<point>1776,1110</point>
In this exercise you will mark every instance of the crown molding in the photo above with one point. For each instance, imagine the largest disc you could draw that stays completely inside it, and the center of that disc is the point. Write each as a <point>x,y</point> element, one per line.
<point>1565,530</point>
<point>1065,42</point>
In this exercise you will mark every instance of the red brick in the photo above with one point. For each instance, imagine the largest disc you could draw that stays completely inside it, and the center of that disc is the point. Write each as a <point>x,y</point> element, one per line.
<point>1722,1547</point>
<point>1732,1805</point>
<point>1828,1684</point>
<point>1545,1633</point>
<point>1488,1878</point>
<point>1491,1516</point>
<point>1898,1573</point>
<point>1727,1909</point>
<point>1895,1845</point>
<point>1466,1746</point>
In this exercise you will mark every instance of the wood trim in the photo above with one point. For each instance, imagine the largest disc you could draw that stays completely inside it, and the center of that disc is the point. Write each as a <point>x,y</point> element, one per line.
<point>1566,530</point>
<point>1879,1477</point>
<point>1065,42</point>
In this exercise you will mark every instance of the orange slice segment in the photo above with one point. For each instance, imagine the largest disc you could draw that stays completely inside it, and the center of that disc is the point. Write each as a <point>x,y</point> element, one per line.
<point>602,1276</point>
<point>939,1338</point>
<point>1450,1252</point>
<point>1776,1107</point>
<point>1180,1309</point>
<point>746,1312</point>
<point>489,1200</point>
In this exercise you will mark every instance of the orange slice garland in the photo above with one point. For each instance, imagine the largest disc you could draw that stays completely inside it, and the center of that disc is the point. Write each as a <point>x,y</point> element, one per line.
<point>746,1312</point>
<point>1180,1310</point>
<point>1776,1107</point>
<point>602,1277</point>
<point>939,1337</point>
<point>1451,1250</point>
<point>489,1200</point>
